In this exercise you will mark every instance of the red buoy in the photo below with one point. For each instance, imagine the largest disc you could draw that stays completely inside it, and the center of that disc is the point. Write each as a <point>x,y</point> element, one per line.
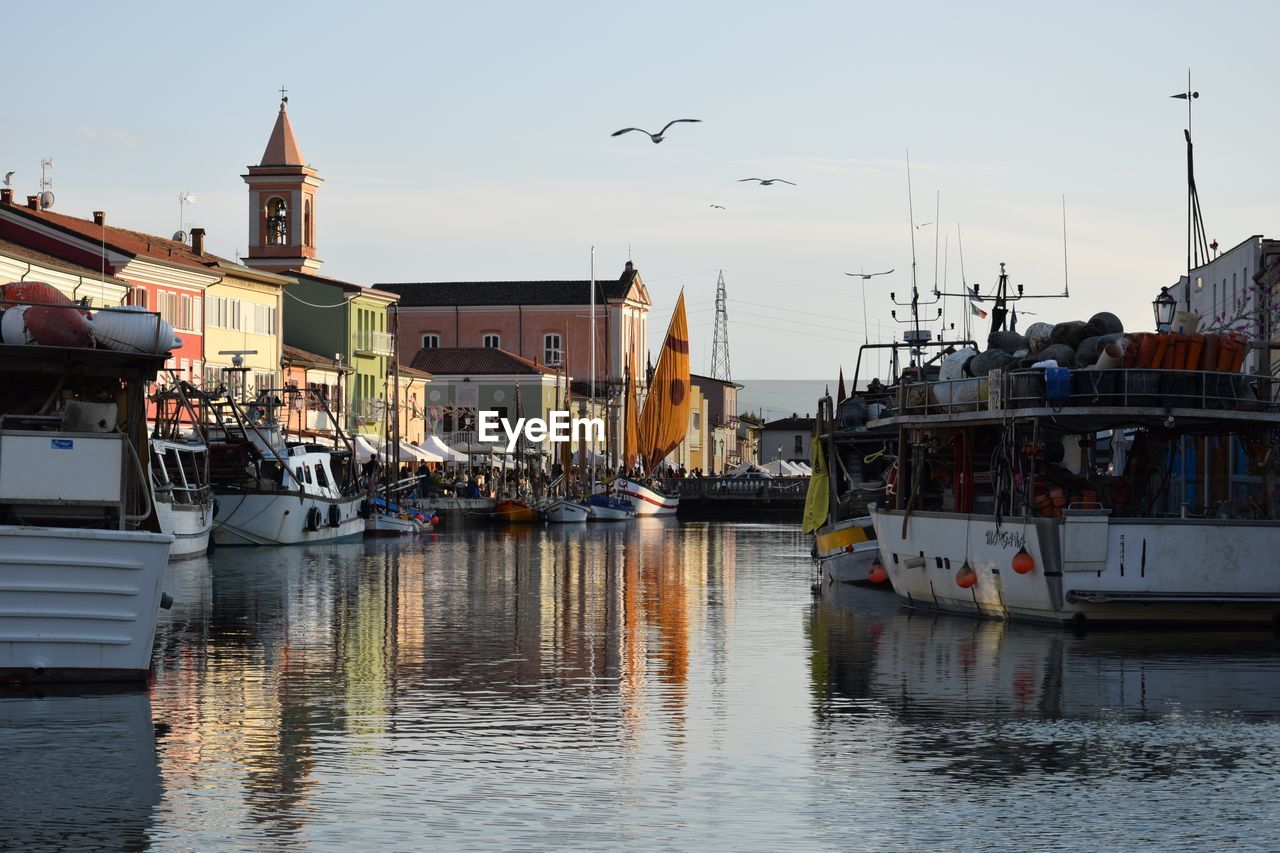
<point>966,576</point>
<point>877,574</point>
<point>1023,562</point>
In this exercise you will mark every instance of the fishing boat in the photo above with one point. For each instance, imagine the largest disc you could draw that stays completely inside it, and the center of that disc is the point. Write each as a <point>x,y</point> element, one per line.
<point>276,492</point>
<point>83,559</point>
<point>609,507</point>
<point>565,511</point>
<point>1136,485</point>
<point>511,511</point>
<point>662,423</point>
<point>180,488</point>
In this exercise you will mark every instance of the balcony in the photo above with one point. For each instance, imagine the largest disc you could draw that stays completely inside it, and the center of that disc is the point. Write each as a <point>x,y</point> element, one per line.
<point>374,343</point>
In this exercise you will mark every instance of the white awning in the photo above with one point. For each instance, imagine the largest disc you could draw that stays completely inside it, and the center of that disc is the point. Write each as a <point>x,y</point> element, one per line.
<point>413,451</point>
<point>363,449</point>
<point>434,444</point>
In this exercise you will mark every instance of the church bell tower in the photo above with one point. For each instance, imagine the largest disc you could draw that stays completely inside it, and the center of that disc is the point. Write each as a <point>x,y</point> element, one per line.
<point>282,204</point>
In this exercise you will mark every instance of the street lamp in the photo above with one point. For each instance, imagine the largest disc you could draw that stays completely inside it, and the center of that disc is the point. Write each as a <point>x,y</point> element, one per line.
<point>1164,305</point>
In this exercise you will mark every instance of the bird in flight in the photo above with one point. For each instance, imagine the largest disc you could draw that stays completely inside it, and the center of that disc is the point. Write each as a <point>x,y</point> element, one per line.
<point>767,182</point>
<point>866,275</point>
<point>923,224</point>
<point>718,206</point>
<point>656,137</point>
<point>8,179</point>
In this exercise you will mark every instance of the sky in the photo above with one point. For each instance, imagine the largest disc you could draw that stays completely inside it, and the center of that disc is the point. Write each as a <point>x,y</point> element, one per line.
<point>472,142</point>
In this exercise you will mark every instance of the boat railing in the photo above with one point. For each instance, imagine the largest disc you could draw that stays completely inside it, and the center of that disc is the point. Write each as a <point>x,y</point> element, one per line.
<point>736,486</point>
<point>1122,387</point>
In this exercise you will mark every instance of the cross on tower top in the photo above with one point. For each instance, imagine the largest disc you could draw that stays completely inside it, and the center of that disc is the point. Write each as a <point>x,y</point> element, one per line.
<point>284,95</point>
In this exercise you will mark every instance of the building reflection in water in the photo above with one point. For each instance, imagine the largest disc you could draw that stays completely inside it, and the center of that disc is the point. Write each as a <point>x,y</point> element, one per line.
<point>988,702</point>
<point>276,666</point>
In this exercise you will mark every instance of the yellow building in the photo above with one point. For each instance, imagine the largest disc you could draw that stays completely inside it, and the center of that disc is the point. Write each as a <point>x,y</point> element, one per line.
<point>243,314</point>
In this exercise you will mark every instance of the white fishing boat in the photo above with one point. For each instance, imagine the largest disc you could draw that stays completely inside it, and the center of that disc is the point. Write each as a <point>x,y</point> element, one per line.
<point>1139,490</point>
<point>81,575</point>
<point>184,502</point>
<point>386,524</point>
<point>646,499</point>
<point>847,550</point>
<point>564,511</point>
<point>273,492</point>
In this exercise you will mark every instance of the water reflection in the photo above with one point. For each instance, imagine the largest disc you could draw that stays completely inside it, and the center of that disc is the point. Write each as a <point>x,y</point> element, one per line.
<point>80,770</point>
<point>477,645</point>
<point>650,685</point>
<point>991,705</point>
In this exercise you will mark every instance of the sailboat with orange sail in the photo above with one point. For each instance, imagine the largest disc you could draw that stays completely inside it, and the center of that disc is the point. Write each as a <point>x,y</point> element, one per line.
<point>663,422</point>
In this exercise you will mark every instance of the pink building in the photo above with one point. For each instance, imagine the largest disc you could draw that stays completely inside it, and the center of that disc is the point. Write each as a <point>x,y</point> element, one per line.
<point>547,322</point>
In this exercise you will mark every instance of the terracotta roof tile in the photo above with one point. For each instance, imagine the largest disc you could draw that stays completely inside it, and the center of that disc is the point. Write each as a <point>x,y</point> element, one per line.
<point>122,240</point>
<point>475,361</point>
<point>436,293</point>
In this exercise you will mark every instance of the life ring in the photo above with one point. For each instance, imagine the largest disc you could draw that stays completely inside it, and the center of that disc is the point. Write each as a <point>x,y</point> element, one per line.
<point>891,480</point>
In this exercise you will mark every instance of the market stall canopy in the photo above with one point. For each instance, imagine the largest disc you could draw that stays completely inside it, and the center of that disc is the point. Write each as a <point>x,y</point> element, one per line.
<point>363,449</point>
<point>434,444</point>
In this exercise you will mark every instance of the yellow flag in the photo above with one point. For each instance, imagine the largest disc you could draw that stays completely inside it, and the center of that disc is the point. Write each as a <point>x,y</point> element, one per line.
<point>817,502</point>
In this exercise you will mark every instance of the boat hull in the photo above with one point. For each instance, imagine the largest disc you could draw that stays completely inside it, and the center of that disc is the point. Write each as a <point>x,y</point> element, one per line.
<point>851,566</point>
<point>79,604</point>
<point>1087,568</point>
<point>381,524</point>
<point>565,512</point>
<point>280,518</point>
<point>190,525</point>
<point>647,501</point>
<point>608,513</point>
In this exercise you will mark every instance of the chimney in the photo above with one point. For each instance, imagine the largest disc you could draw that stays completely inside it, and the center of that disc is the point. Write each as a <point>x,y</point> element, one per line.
<point>6,196</point>
<point>33,202</point>
<point>197,241</point>
<point>99,217</point>
<point>629,267</point>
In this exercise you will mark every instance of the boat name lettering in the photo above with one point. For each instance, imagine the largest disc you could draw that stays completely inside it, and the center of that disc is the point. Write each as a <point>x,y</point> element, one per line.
<point>559,427</point>
<point>1006,539</point>
<point>62,443</point>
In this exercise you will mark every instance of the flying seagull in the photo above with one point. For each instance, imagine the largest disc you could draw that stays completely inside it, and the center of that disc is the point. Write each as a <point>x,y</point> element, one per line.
<point>718,206</point>
<point>767,182</point>
<point>866,275</point>
<point>656,137</point>
<point>8,179</point>
<point>923,224</point>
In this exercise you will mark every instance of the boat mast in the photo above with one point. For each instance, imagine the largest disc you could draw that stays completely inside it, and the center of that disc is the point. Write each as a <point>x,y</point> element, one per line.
<point>591,481</point>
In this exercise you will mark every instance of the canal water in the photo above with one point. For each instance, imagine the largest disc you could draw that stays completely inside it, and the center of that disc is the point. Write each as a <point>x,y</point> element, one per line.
<point>649,685</point>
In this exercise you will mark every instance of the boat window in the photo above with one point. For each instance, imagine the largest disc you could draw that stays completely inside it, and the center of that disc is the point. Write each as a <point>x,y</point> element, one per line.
<point>299,474</point>
<point>321,477</point>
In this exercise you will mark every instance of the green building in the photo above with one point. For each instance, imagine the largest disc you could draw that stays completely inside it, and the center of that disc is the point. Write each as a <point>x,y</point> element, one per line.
<point>353,324</point>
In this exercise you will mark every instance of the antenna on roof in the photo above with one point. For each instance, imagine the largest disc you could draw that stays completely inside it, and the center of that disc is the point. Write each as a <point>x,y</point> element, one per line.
<point>184,198</point>
<point>46,184</point>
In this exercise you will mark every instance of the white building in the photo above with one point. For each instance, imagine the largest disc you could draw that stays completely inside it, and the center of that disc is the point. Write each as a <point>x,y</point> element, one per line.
<point>1225,296</point>
<point>787,438</point>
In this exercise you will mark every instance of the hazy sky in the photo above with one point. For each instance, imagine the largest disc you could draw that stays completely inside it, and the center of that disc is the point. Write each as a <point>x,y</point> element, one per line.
<point>471,141</point>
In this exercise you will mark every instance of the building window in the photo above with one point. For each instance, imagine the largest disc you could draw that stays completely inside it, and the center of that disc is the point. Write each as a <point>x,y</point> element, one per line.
<point>799,445</point>
<point>552,352</point>
<point>277,222</point>
<point>1213,308</point>
<point>1199,282</point>
<point>431,341</point>
<point>492,342</point>
<point>139,297</point>
<point>308,238</point>
<point>264,319</point>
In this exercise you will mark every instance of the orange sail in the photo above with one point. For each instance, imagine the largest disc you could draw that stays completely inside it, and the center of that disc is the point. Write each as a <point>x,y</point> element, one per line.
<point>665,418</point>
<point>631,433</point>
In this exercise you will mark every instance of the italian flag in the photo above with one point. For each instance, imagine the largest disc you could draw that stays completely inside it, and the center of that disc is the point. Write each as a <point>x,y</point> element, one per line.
<point>975,310</point>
